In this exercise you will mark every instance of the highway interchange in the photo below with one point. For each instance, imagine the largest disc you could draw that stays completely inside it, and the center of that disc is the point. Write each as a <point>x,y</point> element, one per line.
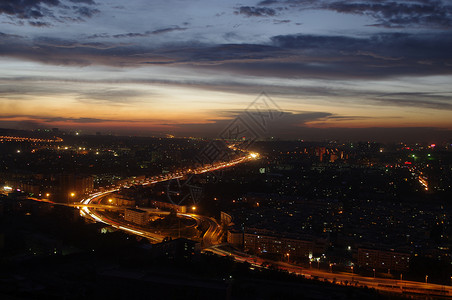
<point>210,242</point>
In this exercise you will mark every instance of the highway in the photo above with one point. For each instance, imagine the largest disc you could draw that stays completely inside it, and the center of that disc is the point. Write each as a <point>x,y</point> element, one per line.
<point>87,211</point>
<point>89,205</point>
<point>210,242</point>
<point>382,284</point>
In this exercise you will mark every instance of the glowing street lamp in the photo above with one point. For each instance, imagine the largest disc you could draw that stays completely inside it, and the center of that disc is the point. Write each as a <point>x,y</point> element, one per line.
<point>426,278</point>
<point>193,208</point>
<point>374,272</point>
<point>288,256</point>
<point>71,196</point>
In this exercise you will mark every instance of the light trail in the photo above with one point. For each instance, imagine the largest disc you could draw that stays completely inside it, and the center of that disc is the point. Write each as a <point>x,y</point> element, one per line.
<point>33,140</point>
<point>210,234</point>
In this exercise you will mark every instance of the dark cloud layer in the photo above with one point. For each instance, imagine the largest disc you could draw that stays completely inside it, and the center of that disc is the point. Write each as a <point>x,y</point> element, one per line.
<point>251,11</point>
<point>20,88</point>
<point>4,36</point>
<point>313,56</point>
<point>27,9</point>
<point>89,2</point>
<point>38,119</point>
<point>295,124</point>
<point>385,13</point>
<point>399,14</point>
<point>289,125</point>
<point>86,12</point>
<point>42,13</point>
<point>149,33</point>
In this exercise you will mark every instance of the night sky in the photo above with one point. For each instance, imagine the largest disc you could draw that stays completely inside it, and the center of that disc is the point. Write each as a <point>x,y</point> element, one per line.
<point>339,69</point>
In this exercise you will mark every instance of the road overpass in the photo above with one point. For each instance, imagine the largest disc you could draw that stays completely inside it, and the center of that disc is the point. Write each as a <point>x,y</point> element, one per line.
<point>211,243</point>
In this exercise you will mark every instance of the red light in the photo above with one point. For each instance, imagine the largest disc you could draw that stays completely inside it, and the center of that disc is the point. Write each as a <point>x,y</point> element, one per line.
<point>407,163</point>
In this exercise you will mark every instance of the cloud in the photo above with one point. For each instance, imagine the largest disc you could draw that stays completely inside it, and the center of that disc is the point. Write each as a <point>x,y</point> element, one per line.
<point>428,13</point>
<point>290,125</point>
<point>297,125</point>
<point>98,36</point>
<point>86,12</point>
<point>287,124</point>
<point>305,56</point>
<point>420,100</point>
<point>46,13</point>
<point>149,33</point>
<point>110,96</point>
<point>34,119</point>
<point>27,9</point>
<point>385,13</point>
<point>59,43</point>
<point>268,2</point>
<point>39,24</point>
<point>251,11</point>
<point>8,36</point>
<point>281,21</point>
<point>88,2</point>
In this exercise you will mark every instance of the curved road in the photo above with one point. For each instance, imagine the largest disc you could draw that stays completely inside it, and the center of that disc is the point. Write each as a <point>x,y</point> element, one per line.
<point>210,237</point>
<point>211,243</point>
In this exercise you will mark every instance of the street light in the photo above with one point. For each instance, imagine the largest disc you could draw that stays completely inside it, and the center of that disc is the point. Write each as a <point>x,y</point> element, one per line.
<point>71,196</point>
<point>331,267</point>
<point>193,208</point>
<point>47,195</point>
<point>288,256</point>
<point>352,269</point>
<point>426,278</point>
<point>374,273</point>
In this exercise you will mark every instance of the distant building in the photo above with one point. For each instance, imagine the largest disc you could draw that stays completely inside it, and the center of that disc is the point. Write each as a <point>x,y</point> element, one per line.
<point>176,249</point>
<point>131,180</point>
<point>170,206</point>
<point>235,238</point>
<point>73,186</point>
<point>122,200</point>
<point>383,259</point>
<point>319,152</point>
<point>137,216</point>
<point>259,243</point>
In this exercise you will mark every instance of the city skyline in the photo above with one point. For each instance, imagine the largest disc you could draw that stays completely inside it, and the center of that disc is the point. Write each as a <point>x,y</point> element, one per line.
<point>356,69</point>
